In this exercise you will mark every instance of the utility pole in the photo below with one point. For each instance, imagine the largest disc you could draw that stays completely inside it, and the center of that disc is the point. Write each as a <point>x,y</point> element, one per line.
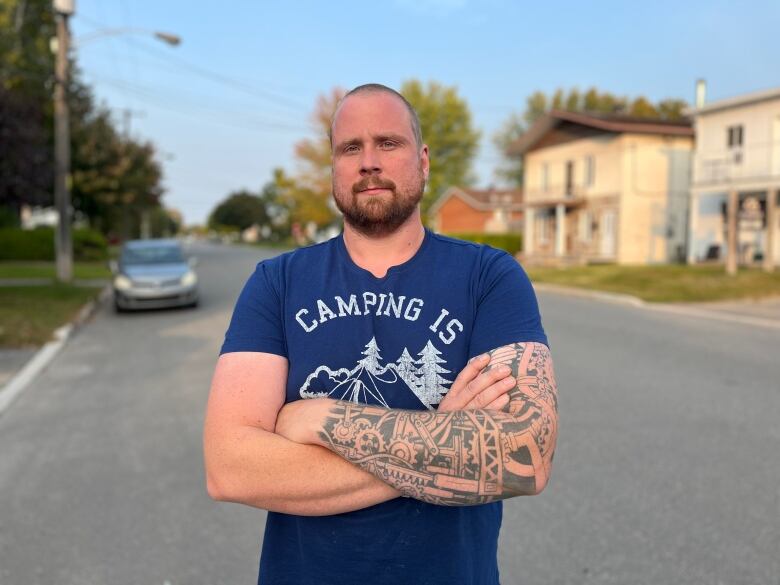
<point>63,241</point>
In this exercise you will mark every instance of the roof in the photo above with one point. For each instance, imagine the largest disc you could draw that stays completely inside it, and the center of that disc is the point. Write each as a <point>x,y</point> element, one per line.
<point>482,199</point>
<point>745,99</point>
<point>610,123</point>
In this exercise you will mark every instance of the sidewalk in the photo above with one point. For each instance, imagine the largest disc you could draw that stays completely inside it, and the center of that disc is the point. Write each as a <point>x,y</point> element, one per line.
<point>87,282</point>
<point>758,313</point>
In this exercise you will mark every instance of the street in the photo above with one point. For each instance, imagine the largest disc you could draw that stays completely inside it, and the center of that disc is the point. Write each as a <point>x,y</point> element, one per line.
<point>667,468</point>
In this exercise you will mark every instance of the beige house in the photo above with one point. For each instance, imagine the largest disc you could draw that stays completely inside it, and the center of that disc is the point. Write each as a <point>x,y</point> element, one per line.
<point>605,188</point>
<point>738,154</point>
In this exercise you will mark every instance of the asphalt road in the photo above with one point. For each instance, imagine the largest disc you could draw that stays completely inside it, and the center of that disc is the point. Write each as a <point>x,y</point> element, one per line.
<point>667,469</point>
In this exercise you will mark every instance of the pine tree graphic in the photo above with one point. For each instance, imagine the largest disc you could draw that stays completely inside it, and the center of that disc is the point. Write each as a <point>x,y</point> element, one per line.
<point>432,383</point>
<point>407,370</point>
<point>371,361</point>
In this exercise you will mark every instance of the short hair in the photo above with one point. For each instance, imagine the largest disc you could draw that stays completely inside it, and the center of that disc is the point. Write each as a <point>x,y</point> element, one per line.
<point>379,88</point>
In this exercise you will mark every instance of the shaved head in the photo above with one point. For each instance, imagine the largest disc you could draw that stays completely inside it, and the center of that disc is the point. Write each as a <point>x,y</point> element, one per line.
<point>414,119</point>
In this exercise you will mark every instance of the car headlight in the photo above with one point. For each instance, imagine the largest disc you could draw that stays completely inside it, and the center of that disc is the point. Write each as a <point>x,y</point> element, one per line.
<point>189,279</point>
<point>121,282</point>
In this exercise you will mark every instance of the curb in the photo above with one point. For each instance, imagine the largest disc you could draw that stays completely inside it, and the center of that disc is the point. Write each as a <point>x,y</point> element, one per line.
<point>686,311</point>
<point>43,357</point>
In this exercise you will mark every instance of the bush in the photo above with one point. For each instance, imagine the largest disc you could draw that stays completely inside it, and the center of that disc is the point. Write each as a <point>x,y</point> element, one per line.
<point>89,245</point>
<point>511,243</point>
<point>38,244</point>
<point>19,244</point>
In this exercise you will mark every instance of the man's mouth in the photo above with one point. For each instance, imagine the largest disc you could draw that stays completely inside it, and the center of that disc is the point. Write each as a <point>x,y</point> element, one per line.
<point>373,190</point>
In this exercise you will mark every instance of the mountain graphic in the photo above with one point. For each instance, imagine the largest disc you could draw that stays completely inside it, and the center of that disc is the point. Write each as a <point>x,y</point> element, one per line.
<point>370,382</point>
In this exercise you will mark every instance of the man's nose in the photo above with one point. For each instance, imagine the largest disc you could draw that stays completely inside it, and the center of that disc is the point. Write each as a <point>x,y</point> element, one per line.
<point>369,163</point>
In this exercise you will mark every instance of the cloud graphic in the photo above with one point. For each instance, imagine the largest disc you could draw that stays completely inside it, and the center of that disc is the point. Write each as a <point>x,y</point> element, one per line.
<point>323,380</point>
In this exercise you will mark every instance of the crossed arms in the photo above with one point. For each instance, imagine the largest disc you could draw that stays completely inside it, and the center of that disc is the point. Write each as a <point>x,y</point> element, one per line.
<point>493,437</point>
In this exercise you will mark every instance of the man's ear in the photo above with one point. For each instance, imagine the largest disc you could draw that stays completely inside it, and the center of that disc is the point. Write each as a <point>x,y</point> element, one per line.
<point>425,162</point>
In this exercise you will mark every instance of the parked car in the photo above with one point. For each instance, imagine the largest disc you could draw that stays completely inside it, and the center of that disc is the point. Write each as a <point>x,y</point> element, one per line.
<point>154,274</point>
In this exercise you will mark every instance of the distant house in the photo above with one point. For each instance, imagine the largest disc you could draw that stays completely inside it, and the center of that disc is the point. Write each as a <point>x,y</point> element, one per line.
<point>605,188</point>
<point>738,154</point>
<point>461,210</point>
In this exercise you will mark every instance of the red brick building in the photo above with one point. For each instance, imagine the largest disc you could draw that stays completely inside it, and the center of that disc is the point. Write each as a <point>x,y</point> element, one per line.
<point>461,210</point>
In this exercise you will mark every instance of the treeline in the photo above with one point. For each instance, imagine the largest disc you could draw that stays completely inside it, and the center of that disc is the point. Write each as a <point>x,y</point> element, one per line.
<point>116,180</point>
<point>296,206</point>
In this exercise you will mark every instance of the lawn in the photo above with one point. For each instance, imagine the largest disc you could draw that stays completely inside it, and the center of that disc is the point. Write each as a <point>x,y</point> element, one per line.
<point>85,270</point>
<point>665,284</point>
<point>30,314</point>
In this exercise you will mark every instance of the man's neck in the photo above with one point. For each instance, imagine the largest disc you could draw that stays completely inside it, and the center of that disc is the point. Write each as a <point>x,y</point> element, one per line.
<point>378,255</point>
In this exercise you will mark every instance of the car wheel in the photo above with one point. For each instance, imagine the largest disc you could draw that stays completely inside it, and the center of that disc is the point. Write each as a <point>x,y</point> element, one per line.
<point>118,308</point>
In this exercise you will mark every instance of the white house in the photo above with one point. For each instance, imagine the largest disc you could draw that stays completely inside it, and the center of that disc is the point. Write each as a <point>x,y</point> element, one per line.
<point>736,175</point>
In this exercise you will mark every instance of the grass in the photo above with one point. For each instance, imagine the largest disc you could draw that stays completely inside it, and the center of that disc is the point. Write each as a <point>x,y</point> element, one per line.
<point>85,270</point>
<point>30,314</point>
<point>665,284</point>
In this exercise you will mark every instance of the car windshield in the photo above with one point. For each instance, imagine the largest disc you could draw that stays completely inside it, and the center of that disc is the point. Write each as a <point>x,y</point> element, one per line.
<point>152,255</point>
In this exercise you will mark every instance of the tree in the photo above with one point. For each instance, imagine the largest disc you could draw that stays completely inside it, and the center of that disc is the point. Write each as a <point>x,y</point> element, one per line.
<point>592,101</point>
<point>445,121</point>
<point>406,368</point>
<point>239,210</point>
<point>372,359</point>
<point>432,383</point>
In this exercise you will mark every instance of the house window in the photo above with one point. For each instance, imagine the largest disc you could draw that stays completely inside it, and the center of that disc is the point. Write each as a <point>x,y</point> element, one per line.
<point>569,177</point>
<point>545,177</point>
<point>590,171</point>
<point>735,136</point>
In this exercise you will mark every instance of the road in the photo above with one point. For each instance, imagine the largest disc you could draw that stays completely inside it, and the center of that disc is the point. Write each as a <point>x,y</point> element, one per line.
<point>667,469</point>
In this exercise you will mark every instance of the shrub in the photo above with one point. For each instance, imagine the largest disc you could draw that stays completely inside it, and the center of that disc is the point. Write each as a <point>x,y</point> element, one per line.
<point>89,245</point>
<point>511,243</point>
<point>38,244</point>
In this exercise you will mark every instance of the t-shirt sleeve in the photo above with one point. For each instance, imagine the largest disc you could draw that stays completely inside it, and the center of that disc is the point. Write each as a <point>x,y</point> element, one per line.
<point>507,311</point>
<point>257,324</point>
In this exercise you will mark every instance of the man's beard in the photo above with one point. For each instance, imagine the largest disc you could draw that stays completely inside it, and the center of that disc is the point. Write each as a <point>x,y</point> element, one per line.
<point>375,215</point>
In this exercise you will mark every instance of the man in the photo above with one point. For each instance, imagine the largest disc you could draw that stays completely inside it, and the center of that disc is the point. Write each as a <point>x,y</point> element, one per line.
<point>392,469</point>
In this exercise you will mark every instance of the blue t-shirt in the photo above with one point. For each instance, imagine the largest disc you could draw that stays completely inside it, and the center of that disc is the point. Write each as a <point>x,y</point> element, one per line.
<point>397,341</point>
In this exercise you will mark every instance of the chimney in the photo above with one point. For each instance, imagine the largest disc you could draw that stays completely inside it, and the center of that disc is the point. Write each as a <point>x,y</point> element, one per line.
<point>701,93</point>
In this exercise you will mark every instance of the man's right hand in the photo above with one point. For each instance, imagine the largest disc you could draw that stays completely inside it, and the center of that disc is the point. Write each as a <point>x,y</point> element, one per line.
<point>475,387</point>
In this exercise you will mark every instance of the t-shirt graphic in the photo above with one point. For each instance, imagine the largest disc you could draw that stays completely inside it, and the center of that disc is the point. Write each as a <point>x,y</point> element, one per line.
<point>367,381</point>
<point>398,341</point>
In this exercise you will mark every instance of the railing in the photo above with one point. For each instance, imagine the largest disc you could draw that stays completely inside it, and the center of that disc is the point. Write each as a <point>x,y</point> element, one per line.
<point>745,163</point>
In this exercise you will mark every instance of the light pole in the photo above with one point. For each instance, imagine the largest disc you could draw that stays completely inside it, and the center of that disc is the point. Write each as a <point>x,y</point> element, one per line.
<point>63,240</point>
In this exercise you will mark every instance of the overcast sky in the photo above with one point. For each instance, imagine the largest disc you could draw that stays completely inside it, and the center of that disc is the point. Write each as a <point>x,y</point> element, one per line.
<point>228,104</point>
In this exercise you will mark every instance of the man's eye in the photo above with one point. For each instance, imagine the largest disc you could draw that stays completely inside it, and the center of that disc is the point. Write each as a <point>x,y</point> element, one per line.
<point>388,144</point>
<point>351,148</point>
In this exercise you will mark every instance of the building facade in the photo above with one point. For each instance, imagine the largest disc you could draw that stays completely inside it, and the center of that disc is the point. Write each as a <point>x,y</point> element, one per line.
<point>736,175</point>
<point>605,188</point>
<point>460,210</point>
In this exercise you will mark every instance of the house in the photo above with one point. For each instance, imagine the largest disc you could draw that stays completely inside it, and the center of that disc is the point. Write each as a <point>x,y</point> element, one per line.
<point>736,176</point>
<point>461,210</point>
<point>605,188</point>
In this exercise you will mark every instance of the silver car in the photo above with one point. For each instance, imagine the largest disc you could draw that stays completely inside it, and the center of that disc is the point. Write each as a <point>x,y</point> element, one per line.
<point>153,274</point>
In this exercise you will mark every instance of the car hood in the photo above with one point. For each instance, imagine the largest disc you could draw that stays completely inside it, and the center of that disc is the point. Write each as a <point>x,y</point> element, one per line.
<point>155,271</point>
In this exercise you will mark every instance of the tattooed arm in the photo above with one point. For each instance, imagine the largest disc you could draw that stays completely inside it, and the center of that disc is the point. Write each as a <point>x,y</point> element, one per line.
<point>462,457</point>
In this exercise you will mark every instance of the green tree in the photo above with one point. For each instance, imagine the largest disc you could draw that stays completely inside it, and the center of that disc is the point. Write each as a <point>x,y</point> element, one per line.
<point>239,210</point>
<point>592,101</point>
<point>445,121</point>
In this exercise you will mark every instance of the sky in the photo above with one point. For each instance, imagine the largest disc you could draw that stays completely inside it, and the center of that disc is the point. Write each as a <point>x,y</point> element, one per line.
<point>227,105</point>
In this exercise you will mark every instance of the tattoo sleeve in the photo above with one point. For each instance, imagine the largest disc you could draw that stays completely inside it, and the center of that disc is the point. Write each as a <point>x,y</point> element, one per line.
<point>463,457</point>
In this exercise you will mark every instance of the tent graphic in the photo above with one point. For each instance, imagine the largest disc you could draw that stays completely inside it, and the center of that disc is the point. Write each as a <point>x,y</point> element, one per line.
<point>369,381</point>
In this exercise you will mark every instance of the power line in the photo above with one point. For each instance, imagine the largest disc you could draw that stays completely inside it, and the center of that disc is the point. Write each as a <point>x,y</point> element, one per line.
<point>214,76</point>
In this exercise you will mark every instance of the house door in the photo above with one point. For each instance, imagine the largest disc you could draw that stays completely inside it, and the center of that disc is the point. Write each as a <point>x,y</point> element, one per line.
<point>608,234</point>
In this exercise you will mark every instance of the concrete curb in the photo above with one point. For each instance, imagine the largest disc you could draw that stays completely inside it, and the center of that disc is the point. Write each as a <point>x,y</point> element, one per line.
<point>43,357</point>
<point>687,311</point>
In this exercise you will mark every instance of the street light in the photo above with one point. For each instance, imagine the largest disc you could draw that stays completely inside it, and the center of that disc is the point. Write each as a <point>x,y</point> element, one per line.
<point>63,241</point>
<point>165,37</point>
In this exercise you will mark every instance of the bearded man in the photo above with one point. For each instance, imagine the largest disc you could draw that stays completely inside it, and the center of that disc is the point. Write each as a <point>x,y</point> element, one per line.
<point>381,393</point>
